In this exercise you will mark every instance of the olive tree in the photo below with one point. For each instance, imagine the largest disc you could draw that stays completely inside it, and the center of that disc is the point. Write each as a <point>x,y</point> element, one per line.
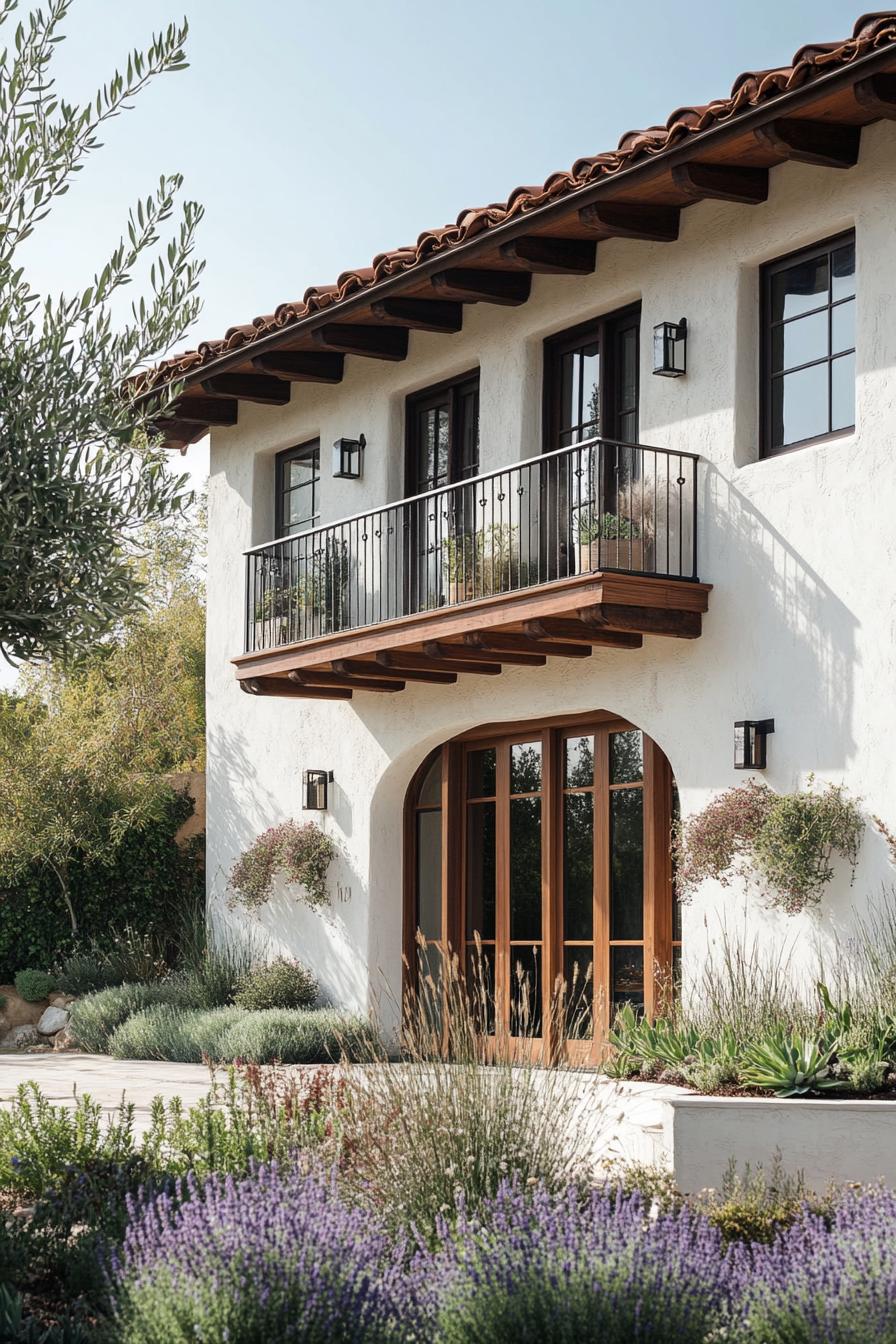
<point>80,469</point>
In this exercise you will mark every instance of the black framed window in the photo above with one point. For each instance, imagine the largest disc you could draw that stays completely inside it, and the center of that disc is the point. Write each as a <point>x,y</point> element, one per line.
<point>809,345</point>
<point>443,435</point>
<point>591,381</point>
<point>298,488</point>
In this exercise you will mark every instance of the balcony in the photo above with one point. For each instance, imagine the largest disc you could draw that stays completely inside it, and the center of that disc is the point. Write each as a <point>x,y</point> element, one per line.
<point>590,546</point>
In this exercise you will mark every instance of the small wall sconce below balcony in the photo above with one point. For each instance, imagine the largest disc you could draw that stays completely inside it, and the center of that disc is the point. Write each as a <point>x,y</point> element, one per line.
<point>348,458</point>
<point>750,743</point>
<point>314,789</point>
<point>670,348</point>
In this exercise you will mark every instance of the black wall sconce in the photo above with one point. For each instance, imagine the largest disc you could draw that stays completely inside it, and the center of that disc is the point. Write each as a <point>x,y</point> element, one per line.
<point>314,789</point>
<point>348,458</point>
<point>750,743</point>
<point>670,349</point>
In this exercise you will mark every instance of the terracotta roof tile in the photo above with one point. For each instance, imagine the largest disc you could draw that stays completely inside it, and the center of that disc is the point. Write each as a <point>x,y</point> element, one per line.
<point>871,32</point>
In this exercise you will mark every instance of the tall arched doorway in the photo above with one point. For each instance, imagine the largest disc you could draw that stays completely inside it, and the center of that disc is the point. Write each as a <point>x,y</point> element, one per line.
<point>548,844</point>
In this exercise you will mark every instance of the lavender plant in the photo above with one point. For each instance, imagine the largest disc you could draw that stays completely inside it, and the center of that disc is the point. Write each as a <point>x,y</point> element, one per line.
<point>533,1266</point>
<point>277,1256</point>
<point>831,1279</point>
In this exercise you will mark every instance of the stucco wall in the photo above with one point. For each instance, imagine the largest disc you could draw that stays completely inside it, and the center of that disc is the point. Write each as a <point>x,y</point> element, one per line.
<point>800,549</point>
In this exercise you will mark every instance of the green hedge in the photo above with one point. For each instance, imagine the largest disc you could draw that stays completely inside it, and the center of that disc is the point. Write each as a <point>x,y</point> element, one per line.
<point>151,880</point>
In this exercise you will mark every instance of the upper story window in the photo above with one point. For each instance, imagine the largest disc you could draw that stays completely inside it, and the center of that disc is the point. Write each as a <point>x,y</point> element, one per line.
<point>298,488</point>
<point>443,435</point>
<point>808,331</point>
<point>591,381</point>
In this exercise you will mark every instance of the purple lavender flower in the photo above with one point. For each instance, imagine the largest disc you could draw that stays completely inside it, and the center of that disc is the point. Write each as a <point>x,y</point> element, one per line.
<point>830,1280</point>
<point>275,1256</point>
<point>536,1267</point>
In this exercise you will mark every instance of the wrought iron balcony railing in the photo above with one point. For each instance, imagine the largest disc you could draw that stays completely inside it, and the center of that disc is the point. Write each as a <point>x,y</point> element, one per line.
<point>595,506</point>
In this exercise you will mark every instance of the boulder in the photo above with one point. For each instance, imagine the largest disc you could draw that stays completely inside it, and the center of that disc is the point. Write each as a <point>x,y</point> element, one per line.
<point>18,1012</point>
<point>52,1020</point>
<point>20,1037</point>
<point>65,1040</point>
<point>60,1000</point>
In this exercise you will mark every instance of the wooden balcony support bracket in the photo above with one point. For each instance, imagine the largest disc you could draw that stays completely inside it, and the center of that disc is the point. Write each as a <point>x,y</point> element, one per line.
<point>712,181</point>
<point>260,387</point>
<point>312,677</point>
<point>506,287</point>
<point>497,642</point>
<point>401,662</point>
<point>825,143</point>
<point>354,667</point>
<point>555,627</point>
<point>651,223</point>
<point>643,620</point>
<point>303,366</point>
<point>278,686</point>
<point>366,340</point>
<point>467,653</point>
<point>441,315</point>
<point>877,93</point>
<point>552,256</point>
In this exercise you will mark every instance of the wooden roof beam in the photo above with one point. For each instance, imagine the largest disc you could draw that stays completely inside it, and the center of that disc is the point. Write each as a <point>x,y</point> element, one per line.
<point>877,93</point>
<point>558,627</point>
<point>717,182</point>
<point>400,662</point>
<point>643,620</point>
<point>303,366</point>
<point>505,287</point>
<point>827,144</point>
<point>179,432</point>
<point>258,387</point>
<point>312,677</point>
<point>552,256</point>
<point>206,410</point>
<point>277,686</point>
<point>355,667</point>
<point>651,223</point>
<point>365,340</point>
<point>440,315</point>
<point>466,653</point>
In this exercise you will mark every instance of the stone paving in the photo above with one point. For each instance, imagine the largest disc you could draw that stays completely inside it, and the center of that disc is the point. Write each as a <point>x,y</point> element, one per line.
<point>104,1079</point>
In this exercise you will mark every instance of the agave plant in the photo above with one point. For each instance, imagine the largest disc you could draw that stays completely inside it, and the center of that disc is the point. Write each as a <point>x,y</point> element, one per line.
<point>638,1042</point>
<point>791,1065</point>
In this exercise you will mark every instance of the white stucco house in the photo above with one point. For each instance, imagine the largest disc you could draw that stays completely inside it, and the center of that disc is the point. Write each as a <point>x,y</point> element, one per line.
<point>555,557</point>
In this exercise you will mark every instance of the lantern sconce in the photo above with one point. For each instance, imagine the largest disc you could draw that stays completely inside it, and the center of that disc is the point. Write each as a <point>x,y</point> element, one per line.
<point>348,458</point>
<point>314,789</point>
<point>750,735</point>
<point>670,348</point>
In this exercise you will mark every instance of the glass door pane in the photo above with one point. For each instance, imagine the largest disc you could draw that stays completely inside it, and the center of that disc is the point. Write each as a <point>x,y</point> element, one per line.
<point>625,805</point>
<point>525,888</point>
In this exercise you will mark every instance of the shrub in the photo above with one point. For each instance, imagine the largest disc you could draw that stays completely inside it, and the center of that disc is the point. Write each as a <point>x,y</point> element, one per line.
<point>128,957</point>
<point>34,985</point>
<point>788,840</point>
<point>825,1278</point>
<point>302,854</point>
<point>276,1256</point>
<point>213,972</point>
<point>16,1326</point>
<point>296,1036</point>
<point>182,1035</point>
<point>535,1266</point>
<point>96,1017</point>
<point>253,1115</point>
<point>39,1141</point>
<point>755,1205</point>
<point>278,984</point>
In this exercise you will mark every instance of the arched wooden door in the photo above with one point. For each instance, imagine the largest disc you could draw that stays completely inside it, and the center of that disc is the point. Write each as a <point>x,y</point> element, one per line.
<point>547,846</point>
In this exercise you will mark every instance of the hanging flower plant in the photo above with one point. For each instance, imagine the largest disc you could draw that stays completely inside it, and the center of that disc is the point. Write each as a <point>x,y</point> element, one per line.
<point>299,854</point>
<point>787,840</point>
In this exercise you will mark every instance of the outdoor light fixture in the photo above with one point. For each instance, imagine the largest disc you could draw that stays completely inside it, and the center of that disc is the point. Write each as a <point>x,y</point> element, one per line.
<point>670,345</point>
<point>750,743</point>
<point>348,458</point>
<point>314,787</point>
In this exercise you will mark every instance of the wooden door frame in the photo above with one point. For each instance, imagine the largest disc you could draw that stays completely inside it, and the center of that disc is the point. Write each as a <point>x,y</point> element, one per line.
<point>658,887</point>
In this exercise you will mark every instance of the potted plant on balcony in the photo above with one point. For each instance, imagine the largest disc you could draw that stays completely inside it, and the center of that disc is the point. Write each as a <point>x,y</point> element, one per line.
<point>622,539</point>
<point>287,611</point>
<point>483,564</point>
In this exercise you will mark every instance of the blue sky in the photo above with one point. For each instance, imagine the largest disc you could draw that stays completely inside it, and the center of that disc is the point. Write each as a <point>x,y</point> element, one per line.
<point>317,134</point>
